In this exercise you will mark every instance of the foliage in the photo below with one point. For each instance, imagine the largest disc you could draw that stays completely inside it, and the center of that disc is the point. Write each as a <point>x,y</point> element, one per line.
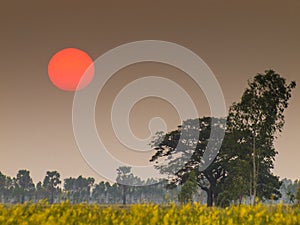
<point>150,191</point>
<point>50,184</point>
<point>66,213</point>
<point>188,189</point>
<point>6,188</point>
<point>23,184</point>
<point>125,179</point>
<point>245,161</point>
<point>82,189</point>
<point>254,123</point>
<point>78,189</point>
<point>298,194</point>
<point>184,150</point>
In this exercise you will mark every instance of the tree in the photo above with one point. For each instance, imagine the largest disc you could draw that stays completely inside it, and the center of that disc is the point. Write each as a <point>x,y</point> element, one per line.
<point>84,186</point>
<point>188,189</point>
<point>2,186</point>
<point>182,151</point>
<point>24,184</point>
<point>70,188</point>
<point>50,184</point>
<point>123,179</point>
<point>78,189</point>
<point>40,192</point>
<point>257,118</point>
<point>234,188</point>
<point>298,194</point>
<point>251,130</point>
<point>99,193</point>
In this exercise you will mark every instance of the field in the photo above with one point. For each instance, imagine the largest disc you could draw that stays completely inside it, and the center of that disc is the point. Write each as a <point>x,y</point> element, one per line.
<point>65,213</point>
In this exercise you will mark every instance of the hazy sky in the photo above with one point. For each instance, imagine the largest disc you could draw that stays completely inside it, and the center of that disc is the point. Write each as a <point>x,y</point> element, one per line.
<point>237,39</point>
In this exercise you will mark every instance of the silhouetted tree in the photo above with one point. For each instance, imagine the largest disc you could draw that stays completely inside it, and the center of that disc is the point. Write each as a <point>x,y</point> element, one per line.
<point>50,184</point>
<point>78,190</point>
<point>124,179</point>
<point>182,151</point>
<point>297,197</point>
<point>255,121</point>
<point>24,184</point>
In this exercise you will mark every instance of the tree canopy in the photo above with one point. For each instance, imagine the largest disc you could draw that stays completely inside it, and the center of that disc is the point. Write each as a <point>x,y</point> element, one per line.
<point>243,166</point>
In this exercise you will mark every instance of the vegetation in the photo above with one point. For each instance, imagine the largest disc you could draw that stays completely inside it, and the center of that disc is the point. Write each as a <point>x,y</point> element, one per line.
<point>240,173</point>
<point>288,190</point>
<point>298,194</point>
<point>243,167</point>
<point>169,146</point>
<point>82,189</point>
<point>65,213</point>
<point>253,124</point>
<point>188,189</point>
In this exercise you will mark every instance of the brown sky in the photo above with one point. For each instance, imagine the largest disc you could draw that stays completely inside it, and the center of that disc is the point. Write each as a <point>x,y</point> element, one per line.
<point>237,39</point>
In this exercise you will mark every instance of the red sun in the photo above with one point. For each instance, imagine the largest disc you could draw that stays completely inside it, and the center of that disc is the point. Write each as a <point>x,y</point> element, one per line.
<point>71,69</point>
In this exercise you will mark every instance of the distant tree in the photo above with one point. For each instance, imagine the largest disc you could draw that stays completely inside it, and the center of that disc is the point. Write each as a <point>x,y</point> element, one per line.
<point>51,184</point>
<point>24,184</point>
<point>9,188</point>
<point>99,193</point>
<point>108,191</point>
<point>291,197</point>
<point>83,188</point>
<point>79,189</point>
<point>70,188</point>
<point>114,193</point>
<point>2,186</point>
<point>124,180</point>
<point>298,194</point>
<point>6,188</point>
<point>40,192</point>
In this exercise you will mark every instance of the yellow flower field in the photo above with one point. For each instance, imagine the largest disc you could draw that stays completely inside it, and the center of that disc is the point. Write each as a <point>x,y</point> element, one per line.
<point>65,213</point>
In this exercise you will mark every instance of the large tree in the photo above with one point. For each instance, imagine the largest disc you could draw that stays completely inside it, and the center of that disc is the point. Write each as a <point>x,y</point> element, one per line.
<point>183,151</point>
<point>255,121</point>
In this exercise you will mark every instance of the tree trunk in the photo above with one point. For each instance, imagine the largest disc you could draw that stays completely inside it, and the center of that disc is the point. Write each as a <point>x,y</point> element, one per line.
<point>240,199</point>
<point>22,198</point>
<point>210,198</point>
<point>124,194</point>
<point>52,197</point>
<point>250,185</point>
<point>215,198</point>
<point>254,172</point>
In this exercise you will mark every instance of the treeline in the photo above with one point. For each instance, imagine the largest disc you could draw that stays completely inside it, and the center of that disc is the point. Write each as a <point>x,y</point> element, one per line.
<point>21,189</point>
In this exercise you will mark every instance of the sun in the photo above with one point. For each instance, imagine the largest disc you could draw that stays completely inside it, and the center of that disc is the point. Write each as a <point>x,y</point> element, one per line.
<point>71,69</point>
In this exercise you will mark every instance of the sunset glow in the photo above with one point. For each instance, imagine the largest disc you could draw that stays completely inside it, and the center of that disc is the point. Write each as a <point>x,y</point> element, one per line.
<point>68,66</point>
